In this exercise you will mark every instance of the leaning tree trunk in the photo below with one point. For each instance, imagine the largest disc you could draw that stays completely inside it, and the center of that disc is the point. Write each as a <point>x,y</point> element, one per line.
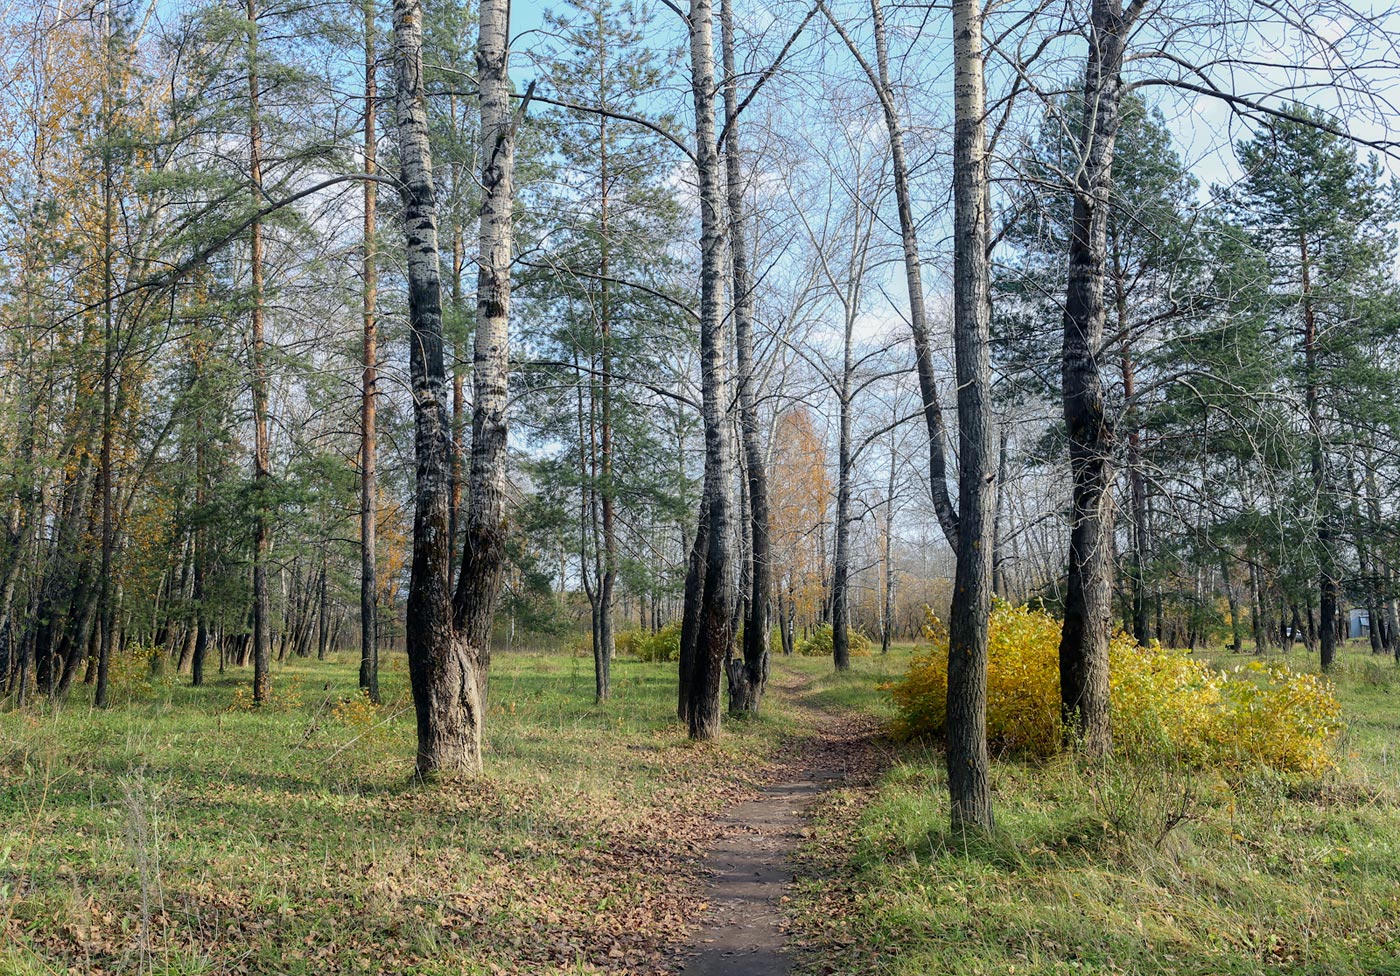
<point>1088,599</point>
<point>747,678</point>
<point>709,616</point>
<point>969,779</point>
<point>447,639</point>
<point>879,78</point>
<point>369,390</point>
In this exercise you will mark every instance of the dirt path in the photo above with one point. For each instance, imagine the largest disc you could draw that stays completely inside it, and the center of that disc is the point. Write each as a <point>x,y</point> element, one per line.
<point>751,867</point>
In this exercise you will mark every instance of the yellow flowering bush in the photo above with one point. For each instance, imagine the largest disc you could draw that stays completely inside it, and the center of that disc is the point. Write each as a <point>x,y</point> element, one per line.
<point>281,696</point>
<point>130,671</point>
<point>1164,703</point>
<point>819,642</point>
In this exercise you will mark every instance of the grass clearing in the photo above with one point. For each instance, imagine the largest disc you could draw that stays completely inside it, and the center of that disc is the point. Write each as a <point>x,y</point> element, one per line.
<point>1150,869</point>
<point>182,833</point>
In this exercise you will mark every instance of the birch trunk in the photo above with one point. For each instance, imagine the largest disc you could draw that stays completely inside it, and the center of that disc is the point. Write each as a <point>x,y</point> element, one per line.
<point>262,664</point>
<point>369,483</point>
<point>479,581</point>
<point>446,667</point>
<point>747,678</point>
<point>709,615</point>
<point>879,78</point>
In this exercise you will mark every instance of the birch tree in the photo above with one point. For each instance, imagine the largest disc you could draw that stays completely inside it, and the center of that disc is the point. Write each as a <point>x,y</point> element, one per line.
<point>447,636</point>
<point>707,634</point>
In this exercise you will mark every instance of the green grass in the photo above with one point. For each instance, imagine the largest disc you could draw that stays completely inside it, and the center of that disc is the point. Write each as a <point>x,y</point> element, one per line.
<point>180,832</point>
<point>860,688</point>
<point>1122,868</point>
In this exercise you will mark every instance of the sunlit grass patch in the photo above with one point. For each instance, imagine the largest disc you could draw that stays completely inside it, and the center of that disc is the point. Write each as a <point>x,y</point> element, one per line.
<point>1147,866</point>
<point>182,831</point>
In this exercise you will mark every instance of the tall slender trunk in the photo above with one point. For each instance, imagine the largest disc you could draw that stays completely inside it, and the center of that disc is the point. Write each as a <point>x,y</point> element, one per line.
<point>369,482</point>
<point>459,330</point>
<point>887,608</point>
<point>1137,483</point>
<point>710,615</point>
<point>747,678</point>
<point>604,645</point>
<point>841,557</point>
<point>1329,586</point>
<point>969,774</point>
<point>443,636</point>
<point>1256,612</point>
<point>1232,597</point>
<point>1088,600</point>
<point>262,664</point>
<point>479,581</point>
<point>323,613</point>
<point>201,612</point>
<point>879,78</point>
<point>104,651</point>
<point>999,585</point>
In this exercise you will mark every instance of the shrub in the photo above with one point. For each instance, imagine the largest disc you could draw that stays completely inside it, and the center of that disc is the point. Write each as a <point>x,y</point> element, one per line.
<point>664,645</point>
<point>1165,704</point>
<point>626,643</point>
<point>818,643</point>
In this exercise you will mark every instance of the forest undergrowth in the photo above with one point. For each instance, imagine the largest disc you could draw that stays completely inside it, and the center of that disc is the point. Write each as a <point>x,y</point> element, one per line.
<point>186,833</point>
<point>1136,867</point>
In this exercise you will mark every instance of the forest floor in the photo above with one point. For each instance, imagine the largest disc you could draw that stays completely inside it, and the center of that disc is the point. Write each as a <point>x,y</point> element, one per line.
<point>752,863</point>
<point>1150,870</point>
<point>182,833</point>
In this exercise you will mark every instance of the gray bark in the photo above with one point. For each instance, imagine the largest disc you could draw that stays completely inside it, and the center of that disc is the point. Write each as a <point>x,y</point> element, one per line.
<point>369,389</point>
<point>1084,694</point>
<point>969,782</point>
<point>748,677</point>
<point>879,77</point>
<point>448,639</point>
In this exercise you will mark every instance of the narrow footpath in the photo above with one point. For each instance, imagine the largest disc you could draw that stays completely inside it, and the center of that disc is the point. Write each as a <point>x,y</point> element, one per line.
<point>752,867</point>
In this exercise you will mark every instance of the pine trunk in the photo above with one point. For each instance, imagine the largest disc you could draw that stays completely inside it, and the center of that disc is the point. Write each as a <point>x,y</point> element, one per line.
<point>1088,600</point>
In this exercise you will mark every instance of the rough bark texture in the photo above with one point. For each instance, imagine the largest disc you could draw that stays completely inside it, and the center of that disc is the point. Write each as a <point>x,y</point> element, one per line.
<point>748,676</point>
<point>479,582</point>
<point>369,577</point>
<point>969,782</point>
<point>841,557</point>
<point>709,616</point>
<point>1088,599</point>
<point>262,473</point>
<point>446,668</point>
